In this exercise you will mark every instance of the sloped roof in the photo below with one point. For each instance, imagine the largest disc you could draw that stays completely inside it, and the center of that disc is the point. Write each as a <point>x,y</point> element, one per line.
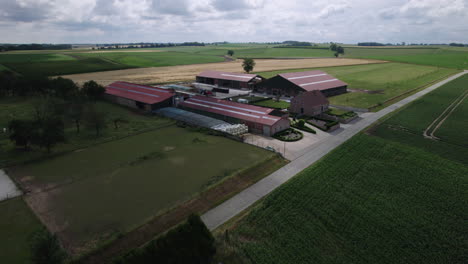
<point>240,77</point>
<point>245,112</point>
<point>313,80</point>
<point>138,92</point>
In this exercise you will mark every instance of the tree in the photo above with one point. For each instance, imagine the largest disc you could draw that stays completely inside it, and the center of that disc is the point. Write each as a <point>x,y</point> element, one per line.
<point>63,88</point>
<point>248,65</point>
<point>333,46</point>
<point>340,50</point>
<point>49,132</point>
<point>45,249</point>
<point>76,111</point>
<point>230,52</point>
<point>21,132</point>
<point>336,54</point>
<point>94,119</point>
<point>93,90</point>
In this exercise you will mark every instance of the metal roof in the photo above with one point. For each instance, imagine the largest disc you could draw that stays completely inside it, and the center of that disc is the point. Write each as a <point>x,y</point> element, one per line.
<point>140,93</point>
<point>245,112</point>
<point>240,77</point>
<point>313,80</point>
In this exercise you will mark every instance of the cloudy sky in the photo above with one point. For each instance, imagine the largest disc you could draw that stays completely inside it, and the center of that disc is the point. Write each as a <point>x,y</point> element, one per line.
<point>120,21</point>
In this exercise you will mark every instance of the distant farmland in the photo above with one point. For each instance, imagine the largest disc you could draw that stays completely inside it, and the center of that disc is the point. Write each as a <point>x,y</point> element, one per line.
<point>441,57</point>
<point>395,197</point>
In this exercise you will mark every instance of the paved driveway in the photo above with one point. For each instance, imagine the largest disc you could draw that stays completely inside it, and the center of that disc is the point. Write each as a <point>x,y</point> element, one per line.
<point>230,208</point>
<point>7,187</point>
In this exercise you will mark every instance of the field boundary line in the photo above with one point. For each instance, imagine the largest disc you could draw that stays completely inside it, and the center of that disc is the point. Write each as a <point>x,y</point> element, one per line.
<point>242,201</point>
<point>457,102</point>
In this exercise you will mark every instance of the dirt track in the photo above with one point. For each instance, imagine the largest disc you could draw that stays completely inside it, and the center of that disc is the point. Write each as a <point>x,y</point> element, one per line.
<point>156,75</point>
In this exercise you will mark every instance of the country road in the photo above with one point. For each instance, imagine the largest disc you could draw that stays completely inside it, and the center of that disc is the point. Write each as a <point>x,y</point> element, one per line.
<point>235,205</point>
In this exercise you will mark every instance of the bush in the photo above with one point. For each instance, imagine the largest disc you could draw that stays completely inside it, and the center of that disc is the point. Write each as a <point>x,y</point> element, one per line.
<point>289,135</point>
<point>304,128</point>
<point>191,242</point>
<point>45,249</point>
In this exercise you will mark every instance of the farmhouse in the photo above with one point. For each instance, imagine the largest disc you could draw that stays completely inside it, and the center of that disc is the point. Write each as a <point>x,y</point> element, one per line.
<point>260,120</point>
<point>138,96</point>
<point>291,84</point>
<point>229,79</point>
<point>309,103</point>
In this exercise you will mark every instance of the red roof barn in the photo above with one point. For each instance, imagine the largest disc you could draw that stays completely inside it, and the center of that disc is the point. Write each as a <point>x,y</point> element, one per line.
<point>258,119</point>
<point>229,79</point>
<point>139,96</point>
<point>291,84</point>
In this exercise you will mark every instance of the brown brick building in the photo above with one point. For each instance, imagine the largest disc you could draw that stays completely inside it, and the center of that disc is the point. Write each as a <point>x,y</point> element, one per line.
<point>309,103</point>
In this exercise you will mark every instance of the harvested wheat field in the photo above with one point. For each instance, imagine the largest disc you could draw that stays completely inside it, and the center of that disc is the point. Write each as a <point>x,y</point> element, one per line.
<point>157,75</point>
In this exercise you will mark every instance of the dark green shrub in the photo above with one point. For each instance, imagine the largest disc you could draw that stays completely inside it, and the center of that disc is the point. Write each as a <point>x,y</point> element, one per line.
<point>190,242</point>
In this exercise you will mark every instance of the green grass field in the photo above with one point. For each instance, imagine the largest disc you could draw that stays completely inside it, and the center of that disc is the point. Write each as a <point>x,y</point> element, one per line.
<point>375,199</point>
<point>17,224</point>
<point>22,108</point>
<point>32,58</point>
<point>440,57</point>
<point>100,192</point>
<point>384,81</point>
<point>153,59</point>
<point>273,104</point>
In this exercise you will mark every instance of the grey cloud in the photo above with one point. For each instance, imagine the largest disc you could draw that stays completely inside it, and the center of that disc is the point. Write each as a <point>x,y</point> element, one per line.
<point>171,7</point>
<point>11,10</point>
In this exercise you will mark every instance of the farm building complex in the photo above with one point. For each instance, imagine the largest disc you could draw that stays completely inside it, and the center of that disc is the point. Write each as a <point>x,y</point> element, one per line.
<point>291,84</point>
<point>139,96</point>
<point>309,103</point>
<point>229,79</point>
<point>258,119</point>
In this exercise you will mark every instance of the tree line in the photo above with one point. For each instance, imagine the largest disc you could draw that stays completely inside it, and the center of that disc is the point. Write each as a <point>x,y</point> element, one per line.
<point>147,45</point>
<point>9,47</point>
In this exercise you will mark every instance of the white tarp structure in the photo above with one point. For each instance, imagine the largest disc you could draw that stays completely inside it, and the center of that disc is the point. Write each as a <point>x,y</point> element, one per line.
<point>236,129</point>
<point>8,188</point>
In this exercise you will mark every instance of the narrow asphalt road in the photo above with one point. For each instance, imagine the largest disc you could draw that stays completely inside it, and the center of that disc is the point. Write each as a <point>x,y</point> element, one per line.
<point>230,208</point>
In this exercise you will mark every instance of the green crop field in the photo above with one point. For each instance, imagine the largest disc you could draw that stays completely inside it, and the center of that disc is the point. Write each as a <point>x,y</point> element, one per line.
<point>32,58</point>
<point>440,57</point>
<point>23,108</point>
<point>54,68</point>
<point>376,83</point>
<point>153,59</point>
<point>273,104</point>
<point>100,192</point>
<point>17,224</point>
<point>407,126</point>
<point>378,198</point>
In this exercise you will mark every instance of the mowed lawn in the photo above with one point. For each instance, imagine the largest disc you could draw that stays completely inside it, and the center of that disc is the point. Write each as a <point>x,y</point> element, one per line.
<point>378,198</point>
<point>17,225</point>
<point>273,104</point>
<point>440,57</point>
<point>377,83</point>
<point>100,192</point>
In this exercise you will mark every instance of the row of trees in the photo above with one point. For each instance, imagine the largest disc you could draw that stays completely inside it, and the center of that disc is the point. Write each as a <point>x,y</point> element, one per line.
<point>147,45</point>
<point>8,47</point>
<point>12,84</point>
